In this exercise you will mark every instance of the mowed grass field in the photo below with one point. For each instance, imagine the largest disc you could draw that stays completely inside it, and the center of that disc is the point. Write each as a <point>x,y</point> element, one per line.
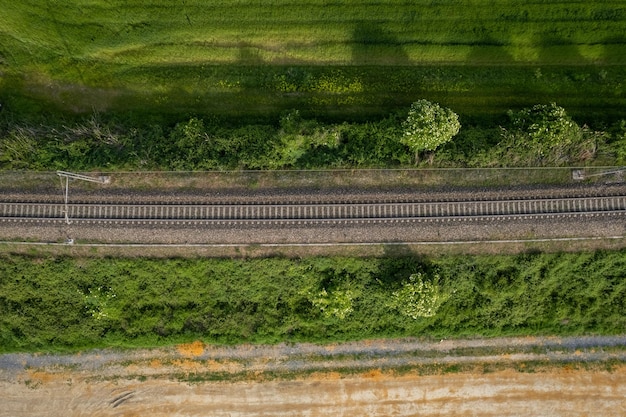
<point>351,58</point>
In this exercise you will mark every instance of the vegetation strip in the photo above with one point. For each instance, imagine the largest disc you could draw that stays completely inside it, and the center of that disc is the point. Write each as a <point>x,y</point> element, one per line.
<point>537,136</point>
<point>56,302</point>
<point>200,362</point>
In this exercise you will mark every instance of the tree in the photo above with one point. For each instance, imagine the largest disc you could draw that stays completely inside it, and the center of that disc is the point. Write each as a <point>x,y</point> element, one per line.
<point>546,134</point>
<point>428,126</point>
<point>546,125</point>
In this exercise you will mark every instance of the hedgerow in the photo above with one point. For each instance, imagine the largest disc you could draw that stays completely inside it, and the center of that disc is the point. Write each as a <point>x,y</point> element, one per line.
<point>71,303</point>
<point>293,141</point>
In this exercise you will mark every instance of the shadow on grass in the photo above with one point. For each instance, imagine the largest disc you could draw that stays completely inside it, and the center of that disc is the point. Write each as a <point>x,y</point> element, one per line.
<point>489,51</point>
<point>399,262</point>
<point>614,50</point>
<point>372,44</point>
<point>558,50</point>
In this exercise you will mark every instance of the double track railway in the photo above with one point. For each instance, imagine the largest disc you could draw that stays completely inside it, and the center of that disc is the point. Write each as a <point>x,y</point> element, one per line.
<point>312,212</point>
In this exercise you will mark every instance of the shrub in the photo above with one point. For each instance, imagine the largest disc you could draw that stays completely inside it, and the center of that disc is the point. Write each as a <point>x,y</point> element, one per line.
<point>542,135</point>
<point>418,297</point>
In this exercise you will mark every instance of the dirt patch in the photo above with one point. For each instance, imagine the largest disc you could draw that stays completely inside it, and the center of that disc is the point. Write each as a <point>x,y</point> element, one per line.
<point>323,376</point>
<point>577,376</point>
<point>191,349</point>
<point>374,374</point>
<point>37,378</point>
<point>155,363</point>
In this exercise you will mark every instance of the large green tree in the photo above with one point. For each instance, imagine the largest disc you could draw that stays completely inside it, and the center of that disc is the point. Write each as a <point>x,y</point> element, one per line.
<point>428,126</point>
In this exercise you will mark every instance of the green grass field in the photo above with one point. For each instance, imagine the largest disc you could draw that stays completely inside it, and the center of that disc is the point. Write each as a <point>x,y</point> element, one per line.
<point>349,59</point>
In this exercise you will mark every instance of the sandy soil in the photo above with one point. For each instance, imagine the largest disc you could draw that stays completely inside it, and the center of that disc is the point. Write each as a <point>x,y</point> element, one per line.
<point>504,393</point>
<point>160,382</point>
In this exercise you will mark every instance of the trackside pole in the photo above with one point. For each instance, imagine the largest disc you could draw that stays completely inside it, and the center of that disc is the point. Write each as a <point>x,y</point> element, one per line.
<point>67,196</point>
<point>67,176</point>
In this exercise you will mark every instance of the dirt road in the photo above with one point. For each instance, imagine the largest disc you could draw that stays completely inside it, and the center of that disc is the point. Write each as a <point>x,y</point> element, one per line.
<point>486,377</point>
<point>504,393</point>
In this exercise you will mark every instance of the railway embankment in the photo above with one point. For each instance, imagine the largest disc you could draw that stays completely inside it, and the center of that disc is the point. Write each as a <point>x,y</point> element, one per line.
<point>272,219</point>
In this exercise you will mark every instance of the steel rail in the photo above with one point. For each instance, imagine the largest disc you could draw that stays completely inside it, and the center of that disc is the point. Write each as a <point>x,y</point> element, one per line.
<point>313,212</point>
<point>311,222</point>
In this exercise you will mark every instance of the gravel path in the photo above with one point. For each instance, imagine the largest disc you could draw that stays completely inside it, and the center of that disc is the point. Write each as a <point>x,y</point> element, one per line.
<point>314,195</point>
<point>305,357</point>
<point>417,231</point>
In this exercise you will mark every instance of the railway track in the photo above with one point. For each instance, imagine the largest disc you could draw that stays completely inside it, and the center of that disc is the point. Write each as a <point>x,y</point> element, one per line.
<point>311,212</point>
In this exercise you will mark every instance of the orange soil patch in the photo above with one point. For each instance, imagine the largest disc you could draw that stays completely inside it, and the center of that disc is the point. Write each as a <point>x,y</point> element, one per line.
<point>224,366</point>
<point>187,365</point>
<point>191,349</point>
<point>43,377</point>
<point>375,374</point>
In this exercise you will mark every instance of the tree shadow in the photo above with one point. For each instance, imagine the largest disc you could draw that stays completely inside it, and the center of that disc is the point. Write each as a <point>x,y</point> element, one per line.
<point>247,54</point>
<point>399,262</point>
<point>614,49</point>
<point>399,250</point>
<point>489,50</point>
<point>372,44</point>
<point>554,49</point>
